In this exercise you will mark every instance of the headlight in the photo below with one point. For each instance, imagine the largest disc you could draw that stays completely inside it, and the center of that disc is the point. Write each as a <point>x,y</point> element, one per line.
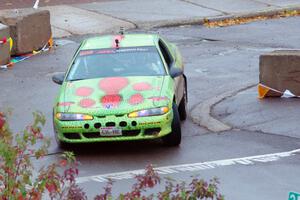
<point>149,112</point>
<point>73,117</point>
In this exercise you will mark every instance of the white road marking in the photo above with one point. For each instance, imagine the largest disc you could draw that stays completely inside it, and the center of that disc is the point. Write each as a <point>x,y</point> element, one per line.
<point>251,160</point>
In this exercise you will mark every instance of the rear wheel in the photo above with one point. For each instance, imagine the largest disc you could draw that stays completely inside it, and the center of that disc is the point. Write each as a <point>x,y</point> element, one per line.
<point>174,138</point>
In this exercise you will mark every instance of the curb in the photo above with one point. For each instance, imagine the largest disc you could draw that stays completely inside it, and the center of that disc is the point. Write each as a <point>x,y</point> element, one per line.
<point>174,23</point>
<point>200,21</point>
<point>201,114</point>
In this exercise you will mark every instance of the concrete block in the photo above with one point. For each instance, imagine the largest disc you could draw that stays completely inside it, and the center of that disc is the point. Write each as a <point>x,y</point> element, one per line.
<point>4,47</point>
<point>29,28</point>
<point>280,70</point>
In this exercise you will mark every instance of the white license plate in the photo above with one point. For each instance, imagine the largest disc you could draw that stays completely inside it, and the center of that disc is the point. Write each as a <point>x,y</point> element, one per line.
<point>110,131</point>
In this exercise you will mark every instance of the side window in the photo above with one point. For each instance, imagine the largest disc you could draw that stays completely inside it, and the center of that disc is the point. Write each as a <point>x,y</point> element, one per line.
<point>166,54</point>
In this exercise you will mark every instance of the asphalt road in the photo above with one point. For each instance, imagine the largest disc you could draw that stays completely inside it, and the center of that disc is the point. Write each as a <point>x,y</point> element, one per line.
<point>217,60</point>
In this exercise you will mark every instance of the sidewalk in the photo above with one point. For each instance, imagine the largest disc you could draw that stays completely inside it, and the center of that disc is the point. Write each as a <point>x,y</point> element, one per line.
<point>109,16</point>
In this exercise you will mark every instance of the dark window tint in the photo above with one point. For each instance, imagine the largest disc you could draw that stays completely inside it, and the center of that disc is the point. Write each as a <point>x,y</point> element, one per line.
<point>139,61</point>
<point>165,53</point>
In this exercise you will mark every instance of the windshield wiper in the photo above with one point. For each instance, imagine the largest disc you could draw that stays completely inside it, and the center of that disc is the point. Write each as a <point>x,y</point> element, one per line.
<point>78,79</point>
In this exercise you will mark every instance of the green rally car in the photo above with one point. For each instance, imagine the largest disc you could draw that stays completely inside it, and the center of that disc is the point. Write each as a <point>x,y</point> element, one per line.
<point>119,88</point>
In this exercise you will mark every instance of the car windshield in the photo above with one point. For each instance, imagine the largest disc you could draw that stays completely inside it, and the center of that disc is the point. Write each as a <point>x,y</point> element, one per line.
<point>137,61</point>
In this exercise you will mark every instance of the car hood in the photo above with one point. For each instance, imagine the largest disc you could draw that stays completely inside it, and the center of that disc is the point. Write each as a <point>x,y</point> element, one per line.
<point>115,95</point>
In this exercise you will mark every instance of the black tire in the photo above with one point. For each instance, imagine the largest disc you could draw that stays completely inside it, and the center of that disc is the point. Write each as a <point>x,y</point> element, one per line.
<point>62,145</point>
<point>182,109</point>
<point>174,138</point>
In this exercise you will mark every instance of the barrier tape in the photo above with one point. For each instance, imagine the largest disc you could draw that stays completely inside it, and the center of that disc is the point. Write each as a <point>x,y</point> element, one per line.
<point>265,91</point>
<point>5,40</point>
<point>21,58</point>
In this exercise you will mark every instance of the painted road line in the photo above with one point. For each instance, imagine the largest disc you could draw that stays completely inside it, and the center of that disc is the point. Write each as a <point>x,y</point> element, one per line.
<point>251,160</point>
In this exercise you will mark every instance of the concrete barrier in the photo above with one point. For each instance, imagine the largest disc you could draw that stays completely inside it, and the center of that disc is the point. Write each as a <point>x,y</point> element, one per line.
<point>280,70</point>
<point>4,45</point>
<point>29,28</point>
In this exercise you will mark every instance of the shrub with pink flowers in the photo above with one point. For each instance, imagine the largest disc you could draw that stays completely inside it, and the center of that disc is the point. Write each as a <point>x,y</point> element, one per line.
<point>17,153</point>
<point>19,180</point>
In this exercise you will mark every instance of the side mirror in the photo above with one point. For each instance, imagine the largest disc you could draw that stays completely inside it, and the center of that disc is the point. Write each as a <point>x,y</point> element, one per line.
<point>58,78</point>
<point>175,72</point>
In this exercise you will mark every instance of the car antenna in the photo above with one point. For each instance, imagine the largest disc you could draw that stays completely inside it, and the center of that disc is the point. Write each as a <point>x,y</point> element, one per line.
<point>121,32</point>
<point>117,43</point>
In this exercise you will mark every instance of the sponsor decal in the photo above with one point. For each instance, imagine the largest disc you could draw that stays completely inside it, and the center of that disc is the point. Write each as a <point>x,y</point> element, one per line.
<point>149,123</point>
<point>294,196</point>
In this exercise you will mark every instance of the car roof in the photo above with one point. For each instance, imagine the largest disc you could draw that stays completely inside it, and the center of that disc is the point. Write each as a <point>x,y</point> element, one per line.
<point>126,40</point>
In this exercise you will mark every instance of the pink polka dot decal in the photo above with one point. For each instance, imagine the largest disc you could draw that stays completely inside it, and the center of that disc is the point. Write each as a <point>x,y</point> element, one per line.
<point>142,86</point>
<point>113,85</point>
<point>136,99</point>
<point>84,91</point>
<point>111,101</point>
<point>87,103</point>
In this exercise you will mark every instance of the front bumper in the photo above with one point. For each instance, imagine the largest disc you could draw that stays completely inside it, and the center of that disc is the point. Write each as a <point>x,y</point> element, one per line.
<point>141,128</point>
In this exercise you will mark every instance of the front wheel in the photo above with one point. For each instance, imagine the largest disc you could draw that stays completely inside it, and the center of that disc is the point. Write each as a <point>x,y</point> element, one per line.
<point>183,107</point>
<point>62,145</point>
<point>174,138</point>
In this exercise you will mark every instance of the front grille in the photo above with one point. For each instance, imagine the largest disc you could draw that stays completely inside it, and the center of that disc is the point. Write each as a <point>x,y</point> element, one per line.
<point>91,135</point>
<point>110,124</point>
<point>97,125</point>
<point>72,136</point>
<point>123,124</point>
<point>101,117</point>
<point>86,126</point>
<point>131,132</point>
<point>133,123</point>
<point>152,131</point>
